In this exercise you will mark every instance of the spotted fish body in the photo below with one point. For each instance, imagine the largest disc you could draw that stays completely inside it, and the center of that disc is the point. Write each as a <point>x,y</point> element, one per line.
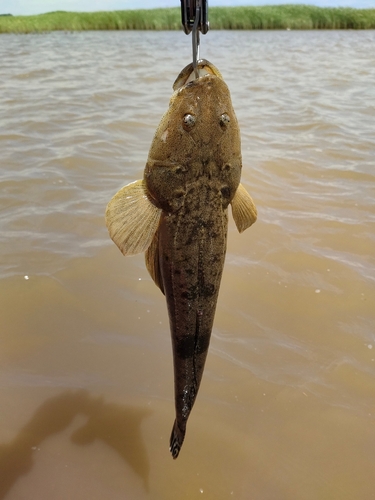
<point>178,215</point>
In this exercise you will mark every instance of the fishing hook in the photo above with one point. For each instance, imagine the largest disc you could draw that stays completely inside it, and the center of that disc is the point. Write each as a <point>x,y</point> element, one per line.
<point>194,15</point>
<point>195,41</point>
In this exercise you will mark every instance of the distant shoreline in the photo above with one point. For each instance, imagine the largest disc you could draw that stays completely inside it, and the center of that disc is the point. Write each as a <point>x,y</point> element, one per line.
<point>278,17</point>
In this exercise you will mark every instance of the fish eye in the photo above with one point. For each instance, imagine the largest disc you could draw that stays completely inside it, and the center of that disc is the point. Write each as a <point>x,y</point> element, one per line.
<point>224,120</point>
<point>188,121</point>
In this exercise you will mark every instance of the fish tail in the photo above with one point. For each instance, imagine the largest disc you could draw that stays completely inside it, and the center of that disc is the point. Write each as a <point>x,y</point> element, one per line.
<point>177,438</point>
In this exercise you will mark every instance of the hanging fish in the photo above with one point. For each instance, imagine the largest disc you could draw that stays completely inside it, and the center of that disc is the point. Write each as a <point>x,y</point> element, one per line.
<point>177,214</point>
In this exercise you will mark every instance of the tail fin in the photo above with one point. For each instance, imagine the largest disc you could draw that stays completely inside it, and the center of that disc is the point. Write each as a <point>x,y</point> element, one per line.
<point>177,438</point>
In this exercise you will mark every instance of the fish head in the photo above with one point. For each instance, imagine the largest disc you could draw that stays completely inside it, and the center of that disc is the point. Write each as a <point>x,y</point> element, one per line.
<point>197,138</point>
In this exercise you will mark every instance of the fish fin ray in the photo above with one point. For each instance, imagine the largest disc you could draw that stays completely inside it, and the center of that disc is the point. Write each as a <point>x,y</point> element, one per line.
<point>132,219</point>
<point>152,262</point>
<point>177,438</point>
<point>243,209</point>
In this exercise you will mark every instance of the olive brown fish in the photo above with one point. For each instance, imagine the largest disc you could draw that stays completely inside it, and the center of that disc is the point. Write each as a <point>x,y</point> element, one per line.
<point>178,215</point>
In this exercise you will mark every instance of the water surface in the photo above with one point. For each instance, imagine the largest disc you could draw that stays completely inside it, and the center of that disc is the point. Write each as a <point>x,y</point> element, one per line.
<point>287,404</point>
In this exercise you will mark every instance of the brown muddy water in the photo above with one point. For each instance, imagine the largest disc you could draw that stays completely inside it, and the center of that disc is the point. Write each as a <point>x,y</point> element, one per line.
<point>286,409</point>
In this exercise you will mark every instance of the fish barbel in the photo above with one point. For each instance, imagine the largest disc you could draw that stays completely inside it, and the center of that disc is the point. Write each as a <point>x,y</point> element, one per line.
<point>178,214</point>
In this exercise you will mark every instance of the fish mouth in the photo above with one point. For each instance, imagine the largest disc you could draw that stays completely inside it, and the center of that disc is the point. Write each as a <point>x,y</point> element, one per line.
<point>187,75</point>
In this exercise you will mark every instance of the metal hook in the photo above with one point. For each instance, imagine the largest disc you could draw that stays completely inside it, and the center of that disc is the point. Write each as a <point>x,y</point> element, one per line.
<point>195,42</point>
<point>194,14</point>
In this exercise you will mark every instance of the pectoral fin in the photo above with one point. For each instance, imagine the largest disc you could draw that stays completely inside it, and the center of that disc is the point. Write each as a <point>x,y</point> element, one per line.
<point>152,262</point>
<point>243,209</point>
<point>132,219</point>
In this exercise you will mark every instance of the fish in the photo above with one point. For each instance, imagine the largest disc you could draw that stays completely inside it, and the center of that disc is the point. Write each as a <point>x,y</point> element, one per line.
<point>178,215</point>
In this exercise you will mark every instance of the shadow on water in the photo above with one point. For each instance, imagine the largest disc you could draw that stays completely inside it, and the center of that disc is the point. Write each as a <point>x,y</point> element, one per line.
<point>118,426</point>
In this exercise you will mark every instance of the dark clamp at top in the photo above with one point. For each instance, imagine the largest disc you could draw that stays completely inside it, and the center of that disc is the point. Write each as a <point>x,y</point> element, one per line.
<point>194,10</point>
<point>194,14</point>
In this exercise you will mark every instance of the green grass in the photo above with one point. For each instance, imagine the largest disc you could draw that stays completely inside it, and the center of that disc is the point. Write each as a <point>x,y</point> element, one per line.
<point>155,19</point>
<point>292,17</point>
<point>247,18</point>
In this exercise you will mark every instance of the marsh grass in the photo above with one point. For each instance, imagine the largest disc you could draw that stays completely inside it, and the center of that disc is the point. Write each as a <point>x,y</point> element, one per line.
<point>247,18</point>
<point>155,19</point>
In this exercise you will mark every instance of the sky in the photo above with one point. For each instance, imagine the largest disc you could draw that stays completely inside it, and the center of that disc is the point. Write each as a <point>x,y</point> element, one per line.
<point>30,7</point>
